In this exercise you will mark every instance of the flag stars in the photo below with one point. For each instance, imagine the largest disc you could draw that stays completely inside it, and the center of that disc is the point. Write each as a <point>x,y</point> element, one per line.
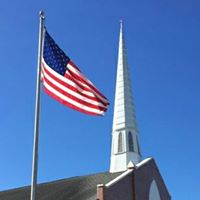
<point>54,56</point>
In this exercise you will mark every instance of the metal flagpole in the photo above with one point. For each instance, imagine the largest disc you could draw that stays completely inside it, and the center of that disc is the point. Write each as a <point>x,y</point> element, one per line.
<point>37,109</point>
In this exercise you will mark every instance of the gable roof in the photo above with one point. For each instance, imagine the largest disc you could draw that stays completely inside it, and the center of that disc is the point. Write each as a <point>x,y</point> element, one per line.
<point>76,188</point>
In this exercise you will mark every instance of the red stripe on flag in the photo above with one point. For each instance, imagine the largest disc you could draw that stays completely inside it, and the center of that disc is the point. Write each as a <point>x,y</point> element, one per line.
<point>69,104</point>
<point>71,63</point>
<point>78,100</point>
<point>71,87</point>
<point>82,78</point>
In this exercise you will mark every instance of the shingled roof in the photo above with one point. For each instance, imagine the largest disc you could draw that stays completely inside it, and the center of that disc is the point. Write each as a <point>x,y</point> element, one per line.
<point>76,188</point>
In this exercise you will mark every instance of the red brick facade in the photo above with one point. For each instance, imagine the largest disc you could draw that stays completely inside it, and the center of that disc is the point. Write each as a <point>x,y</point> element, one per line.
<point>136,185</point>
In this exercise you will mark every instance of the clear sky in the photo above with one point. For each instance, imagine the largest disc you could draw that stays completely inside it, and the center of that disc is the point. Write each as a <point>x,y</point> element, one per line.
<point>163,44</point>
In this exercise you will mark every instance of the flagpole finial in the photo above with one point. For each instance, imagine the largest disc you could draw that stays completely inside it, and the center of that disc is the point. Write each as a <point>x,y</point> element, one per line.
<point>41,14</point>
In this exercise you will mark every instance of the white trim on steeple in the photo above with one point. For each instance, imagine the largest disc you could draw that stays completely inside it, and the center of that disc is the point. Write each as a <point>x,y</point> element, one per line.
<point>124,121</point>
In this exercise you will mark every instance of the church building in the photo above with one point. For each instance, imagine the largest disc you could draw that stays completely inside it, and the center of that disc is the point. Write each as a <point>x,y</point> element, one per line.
<point>130,177</point>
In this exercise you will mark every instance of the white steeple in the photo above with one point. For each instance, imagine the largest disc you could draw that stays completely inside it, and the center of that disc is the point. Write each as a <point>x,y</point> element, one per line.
<point>125,146</point>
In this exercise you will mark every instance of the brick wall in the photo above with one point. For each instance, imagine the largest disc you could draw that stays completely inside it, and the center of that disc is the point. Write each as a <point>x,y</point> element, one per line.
<point>143,178</point>
<point>135,186</point>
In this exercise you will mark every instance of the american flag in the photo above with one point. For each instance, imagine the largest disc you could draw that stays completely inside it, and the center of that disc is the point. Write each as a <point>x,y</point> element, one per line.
<point>64,82</point>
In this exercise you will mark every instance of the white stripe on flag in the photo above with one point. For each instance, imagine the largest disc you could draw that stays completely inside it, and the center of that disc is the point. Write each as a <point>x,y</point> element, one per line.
<point>73,84</point>
<point>81,106</point>
<point>71,92</point>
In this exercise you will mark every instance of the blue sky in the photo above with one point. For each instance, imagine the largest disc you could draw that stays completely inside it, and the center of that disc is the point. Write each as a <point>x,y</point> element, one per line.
<point>163,43</point>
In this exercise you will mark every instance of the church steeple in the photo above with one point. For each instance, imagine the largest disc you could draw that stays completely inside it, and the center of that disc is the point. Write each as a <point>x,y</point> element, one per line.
<point>125,146</point>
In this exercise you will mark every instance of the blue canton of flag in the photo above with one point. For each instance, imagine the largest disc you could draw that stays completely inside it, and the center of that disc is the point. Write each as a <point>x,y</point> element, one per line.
<point>54,56</point>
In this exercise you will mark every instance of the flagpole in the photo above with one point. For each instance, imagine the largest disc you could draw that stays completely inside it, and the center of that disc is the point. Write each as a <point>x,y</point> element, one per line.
<point>37,109</point>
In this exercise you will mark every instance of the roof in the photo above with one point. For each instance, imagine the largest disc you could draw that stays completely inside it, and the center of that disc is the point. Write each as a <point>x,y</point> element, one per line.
<point>76,188</point>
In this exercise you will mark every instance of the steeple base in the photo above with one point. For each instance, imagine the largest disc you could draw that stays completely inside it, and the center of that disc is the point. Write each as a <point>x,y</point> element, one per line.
<point>119,162</point>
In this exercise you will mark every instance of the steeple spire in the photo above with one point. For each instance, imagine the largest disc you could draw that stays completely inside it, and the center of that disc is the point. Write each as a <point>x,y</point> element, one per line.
<point>125,146</point>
